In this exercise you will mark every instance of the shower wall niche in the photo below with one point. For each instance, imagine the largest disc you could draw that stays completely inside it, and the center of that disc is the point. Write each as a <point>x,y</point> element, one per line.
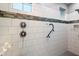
<point>35,43</point>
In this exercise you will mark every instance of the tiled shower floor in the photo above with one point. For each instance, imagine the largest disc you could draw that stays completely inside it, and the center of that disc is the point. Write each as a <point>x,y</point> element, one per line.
<point>68,54</point>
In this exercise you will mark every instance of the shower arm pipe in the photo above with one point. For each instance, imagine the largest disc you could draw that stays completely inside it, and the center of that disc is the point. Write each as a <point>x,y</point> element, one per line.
<point>48,36</point>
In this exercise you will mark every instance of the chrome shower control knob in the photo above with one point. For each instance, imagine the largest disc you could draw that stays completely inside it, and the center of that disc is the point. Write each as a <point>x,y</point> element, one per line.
<point>23,24</point>
<point>23,34</point>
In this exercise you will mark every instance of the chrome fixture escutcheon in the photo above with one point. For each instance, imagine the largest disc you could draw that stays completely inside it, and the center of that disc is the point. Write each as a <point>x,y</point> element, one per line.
<point>22,34</point>
<point>23,24</point>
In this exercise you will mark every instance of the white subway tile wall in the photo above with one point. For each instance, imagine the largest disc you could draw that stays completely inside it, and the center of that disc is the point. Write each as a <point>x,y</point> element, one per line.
<point>35,42</point>
<point>73,39</point>
<point>49,10</point>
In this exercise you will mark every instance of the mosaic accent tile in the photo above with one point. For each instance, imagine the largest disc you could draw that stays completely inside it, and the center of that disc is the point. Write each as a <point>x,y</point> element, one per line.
<point>31,17</point>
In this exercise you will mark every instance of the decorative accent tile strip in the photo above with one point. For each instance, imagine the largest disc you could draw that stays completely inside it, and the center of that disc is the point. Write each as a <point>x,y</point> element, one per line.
<point>74,21</point>
<point>30,17</point>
